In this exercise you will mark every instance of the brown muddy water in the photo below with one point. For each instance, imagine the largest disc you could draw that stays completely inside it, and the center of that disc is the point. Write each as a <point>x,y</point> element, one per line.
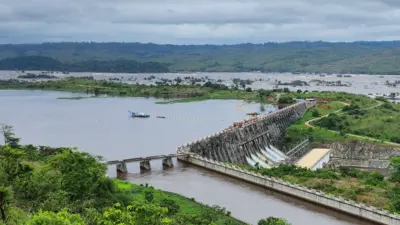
<point>102,126</point>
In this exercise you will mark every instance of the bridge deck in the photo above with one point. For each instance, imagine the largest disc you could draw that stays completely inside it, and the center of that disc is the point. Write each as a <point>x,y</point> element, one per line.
<point>138,159</point>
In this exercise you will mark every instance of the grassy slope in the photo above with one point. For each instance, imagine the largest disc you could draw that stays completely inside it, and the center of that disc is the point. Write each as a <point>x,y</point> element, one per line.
<point>298,131</point>
<point>385,121</point>
<point>369,188</point>
<point>187,205</point>
<point>349,188</point>
<point>379,122</point>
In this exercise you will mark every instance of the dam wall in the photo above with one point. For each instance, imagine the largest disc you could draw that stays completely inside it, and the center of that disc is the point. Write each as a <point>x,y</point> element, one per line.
<point>311,195</point>
<point>361,155</point>
<point>235,144</point>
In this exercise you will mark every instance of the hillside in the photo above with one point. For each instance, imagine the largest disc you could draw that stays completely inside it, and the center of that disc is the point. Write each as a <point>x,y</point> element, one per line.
<point>51,64</point>
<point>355,57</point>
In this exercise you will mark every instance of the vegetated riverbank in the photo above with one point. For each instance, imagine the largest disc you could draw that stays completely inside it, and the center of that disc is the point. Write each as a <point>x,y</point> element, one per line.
<point>44,185</point>
<point>369,188</point>
<point>363,116</point>
<point>176,92</point>
<point>354,118</point>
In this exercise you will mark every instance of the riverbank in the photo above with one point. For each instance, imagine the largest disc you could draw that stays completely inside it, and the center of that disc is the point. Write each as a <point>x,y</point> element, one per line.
<point>175,202</point>
<point>51,184</point>
<point>172,93</point>
<point>312,194</point>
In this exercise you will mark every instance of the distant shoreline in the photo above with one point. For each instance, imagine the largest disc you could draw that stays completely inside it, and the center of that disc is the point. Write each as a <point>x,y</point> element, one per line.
<point>298,57</point>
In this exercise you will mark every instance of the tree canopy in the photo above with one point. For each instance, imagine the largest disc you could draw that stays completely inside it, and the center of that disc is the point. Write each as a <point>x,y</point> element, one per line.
<point>62,186</point>
<point>113,66</point>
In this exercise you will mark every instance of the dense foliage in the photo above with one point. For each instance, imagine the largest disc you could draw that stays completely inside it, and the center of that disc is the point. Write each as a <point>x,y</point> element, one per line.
<point>42,185</point>
<point>62,186</point>
<point>368,187</point>
<point>356,57</point>
<point>89,65</point>
<point>273,221</point>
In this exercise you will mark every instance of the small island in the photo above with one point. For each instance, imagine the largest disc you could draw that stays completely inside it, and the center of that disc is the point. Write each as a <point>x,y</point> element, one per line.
<point>37,76</point>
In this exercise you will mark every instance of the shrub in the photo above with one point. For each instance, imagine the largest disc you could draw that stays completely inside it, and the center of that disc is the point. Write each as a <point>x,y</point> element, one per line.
<point>171,205</point>
<point>315,113</point>
<point>374,179</point>
<point>273,221</point>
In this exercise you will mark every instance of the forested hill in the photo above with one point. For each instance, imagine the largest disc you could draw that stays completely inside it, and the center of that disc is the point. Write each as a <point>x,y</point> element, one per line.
<point>355,57</point>
<point>113,66</point>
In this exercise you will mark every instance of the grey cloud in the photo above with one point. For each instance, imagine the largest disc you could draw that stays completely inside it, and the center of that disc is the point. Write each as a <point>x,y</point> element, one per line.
<point>198,22</point>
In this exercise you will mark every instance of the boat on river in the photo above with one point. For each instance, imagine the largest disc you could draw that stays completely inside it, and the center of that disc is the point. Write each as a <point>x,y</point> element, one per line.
<point>139,114</point>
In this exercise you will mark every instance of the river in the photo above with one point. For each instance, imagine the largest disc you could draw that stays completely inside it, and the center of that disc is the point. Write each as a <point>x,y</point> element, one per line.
<point>359,84</point>
<point>102,126</point>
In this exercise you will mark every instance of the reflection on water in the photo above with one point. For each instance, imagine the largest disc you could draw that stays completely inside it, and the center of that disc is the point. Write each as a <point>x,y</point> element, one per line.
<point>102,126</point>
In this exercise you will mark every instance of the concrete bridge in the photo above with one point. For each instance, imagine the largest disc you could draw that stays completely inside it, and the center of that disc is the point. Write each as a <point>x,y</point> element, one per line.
<point>254,141</point>
<point>145,162</point>
<point>258,138</point>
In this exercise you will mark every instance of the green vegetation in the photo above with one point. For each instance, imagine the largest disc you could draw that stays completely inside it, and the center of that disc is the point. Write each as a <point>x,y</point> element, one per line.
<point>335,103</point>
<point>273,221</point>
<point>42,185</point>
<point>382,122</point>
<point>184,93</point>
<point>62,186</point>
<point>50,64</point>
<point>367,187</point>
<point>346,117</point>
<point>356,57</point>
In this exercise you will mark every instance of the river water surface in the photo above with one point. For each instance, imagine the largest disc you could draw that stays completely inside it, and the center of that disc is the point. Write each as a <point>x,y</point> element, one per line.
<point>102,126</point>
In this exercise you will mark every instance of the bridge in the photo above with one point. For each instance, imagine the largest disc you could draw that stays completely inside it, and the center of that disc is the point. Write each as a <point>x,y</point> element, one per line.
<point>145,162</point>
<point>235,144</point>
<point>256,139</point>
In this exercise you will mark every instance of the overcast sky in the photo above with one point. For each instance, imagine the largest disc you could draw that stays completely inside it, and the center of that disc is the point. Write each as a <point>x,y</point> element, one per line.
<point>198,21</point>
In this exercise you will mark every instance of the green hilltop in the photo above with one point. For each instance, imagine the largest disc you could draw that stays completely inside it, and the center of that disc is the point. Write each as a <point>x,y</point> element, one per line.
<point>316,57</point>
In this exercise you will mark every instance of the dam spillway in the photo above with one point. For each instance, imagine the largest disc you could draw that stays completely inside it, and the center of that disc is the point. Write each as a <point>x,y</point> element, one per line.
<point>254,139</point>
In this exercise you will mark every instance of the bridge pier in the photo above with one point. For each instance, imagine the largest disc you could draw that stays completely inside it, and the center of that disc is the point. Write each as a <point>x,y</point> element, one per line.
<point>145,166</point>
<point>121,168</point>
<point>167,162</point>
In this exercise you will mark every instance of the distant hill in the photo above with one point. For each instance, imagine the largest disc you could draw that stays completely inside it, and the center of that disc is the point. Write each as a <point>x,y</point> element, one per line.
<point>50,64</point>
<point>355,57</point>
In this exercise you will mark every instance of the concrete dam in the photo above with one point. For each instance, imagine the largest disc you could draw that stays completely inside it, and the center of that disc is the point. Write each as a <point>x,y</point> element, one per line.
<point>252,143</point>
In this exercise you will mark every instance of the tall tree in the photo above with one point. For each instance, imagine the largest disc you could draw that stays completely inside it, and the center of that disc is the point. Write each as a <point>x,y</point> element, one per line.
<point>9,136</point>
